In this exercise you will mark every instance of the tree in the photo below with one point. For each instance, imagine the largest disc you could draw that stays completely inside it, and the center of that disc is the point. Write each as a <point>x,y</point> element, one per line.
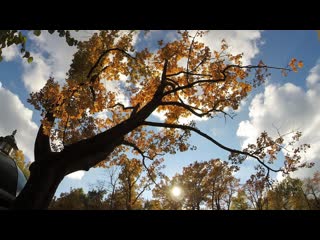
<point>256,189</point>
<point>95,197</point>
<point>77,199</point>
<point>220,184</point>
<point>111,190</point>
<point>287,195</point>
<point>74,200</point>
<point>162,193</point>
<point>240,202</point>
<point>132,183</point>
<point>192,181</point>
<point>19,159</point>
<point>73,136</point>
<point>152,205</point>
<point>311,189</point>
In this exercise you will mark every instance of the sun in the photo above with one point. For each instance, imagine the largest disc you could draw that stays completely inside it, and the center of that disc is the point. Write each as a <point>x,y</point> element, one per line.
<point>176,191</point>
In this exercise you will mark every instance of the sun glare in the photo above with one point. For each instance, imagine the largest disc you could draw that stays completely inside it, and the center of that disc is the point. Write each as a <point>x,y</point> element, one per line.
<point>176,191</point>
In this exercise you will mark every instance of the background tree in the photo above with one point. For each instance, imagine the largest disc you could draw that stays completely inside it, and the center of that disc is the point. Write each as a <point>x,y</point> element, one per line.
<point>95,198</point>
<point>162,193</point>
<point>208,183</point>
<point>205,86</point>
<point>152,205</point>
<point>256,189</point>
<point>19,159</point>
<point>113,174</point>
<point>311,189</point>
<point>193,181</point>
<point>240,202</point>
<point>74,200</point>
<point>287,195</point>
<point>132,183</point>
<point>220,184</point>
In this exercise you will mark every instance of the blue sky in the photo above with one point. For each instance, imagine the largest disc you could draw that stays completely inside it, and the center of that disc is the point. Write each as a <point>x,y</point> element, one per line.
<point>289,103</point>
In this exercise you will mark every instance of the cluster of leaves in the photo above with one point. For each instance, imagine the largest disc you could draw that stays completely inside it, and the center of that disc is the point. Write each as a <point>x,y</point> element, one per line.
<point>17,37</point>
<point>267,149</point>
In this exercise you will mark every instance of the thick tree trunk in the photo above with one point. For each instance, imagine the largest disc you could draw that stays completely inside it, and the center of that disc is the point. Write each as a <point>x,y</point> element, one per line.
<point>40,187</point>
<point>49,168</point>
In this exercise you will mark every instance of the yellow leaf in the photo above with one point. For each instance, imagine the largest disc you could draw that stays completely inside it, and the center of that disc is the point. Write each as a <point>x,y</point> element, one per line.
<point>300,64</point>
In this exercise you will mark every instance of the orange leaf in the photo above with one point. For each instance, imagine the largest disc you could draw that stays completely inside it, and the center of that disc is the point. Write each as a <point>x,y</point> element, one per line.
<point>300,64</point>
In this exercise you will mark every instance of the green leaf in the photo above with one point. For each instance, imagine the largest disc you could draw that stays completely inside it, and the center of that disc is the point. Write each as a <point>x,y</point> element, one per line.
<point>37,32</point>
<point>70,41</point>
<point>0,58</point>
<point>26,55</point>
<point>30,59</point>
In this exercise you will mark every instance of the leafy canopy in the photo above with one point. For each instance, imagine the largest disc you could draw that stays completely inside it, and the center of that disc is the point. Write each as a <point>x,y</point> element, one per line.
<point>111,83</point>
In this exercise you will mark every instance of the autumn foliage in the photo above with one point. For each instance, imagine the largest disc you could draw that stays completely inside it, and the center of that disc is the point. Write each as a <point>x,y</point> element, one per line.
<point>102,114</point>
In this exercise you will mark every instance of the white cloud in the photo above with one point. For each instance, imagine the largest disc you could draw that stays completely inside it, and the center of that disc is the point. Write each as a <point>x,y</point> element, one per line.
<point>17,116</point>
<point>36,74</point>
<point>239,41</point>
<point>52,57</point>
<point>288,107</point>
<point>76,175</point>
<point>10,53</point>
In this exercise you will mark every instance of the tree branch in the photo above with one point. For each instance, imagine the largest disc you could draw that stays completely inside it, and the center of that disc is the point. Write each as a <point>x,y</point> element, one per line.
<point>193,84</point>
<point>88,152</point>
<point>42,143</point>
<point>64,130</point>
<point>189,54</point>
<point>214,80</point>
<point>123,107</point>
<point>105,53</point>
<point>187,107</point>
<point>185,127</point>
<point>189,73</point>
<point>135,147</point>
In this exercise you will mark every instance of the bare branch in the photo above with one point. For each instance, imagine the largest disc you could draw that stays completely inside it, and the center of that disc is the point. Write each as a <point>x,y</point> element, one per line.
<point>123,107</point>
<point>185,127</point>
